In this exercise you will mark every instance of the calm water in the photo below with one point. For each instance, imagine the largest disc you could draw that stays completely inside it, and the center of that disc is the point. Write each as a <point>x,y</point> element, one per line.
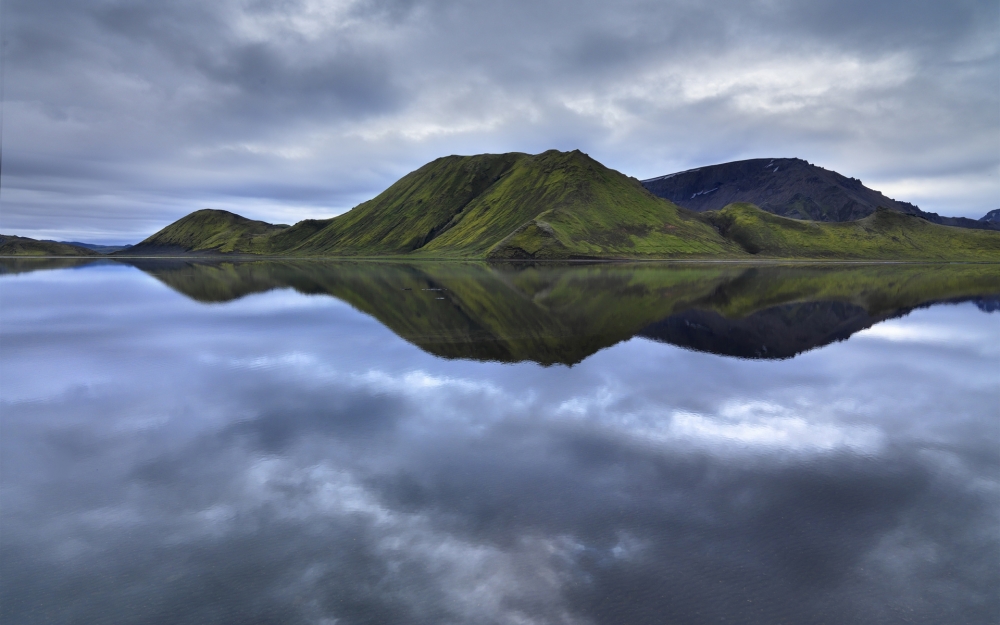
<point>350,443</point>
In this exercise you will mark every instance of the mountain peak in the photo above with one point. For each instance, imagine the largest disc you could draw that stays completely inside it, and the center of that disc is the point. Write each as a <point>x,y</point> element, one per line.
<point>206,231</point>
<point>790,187</point>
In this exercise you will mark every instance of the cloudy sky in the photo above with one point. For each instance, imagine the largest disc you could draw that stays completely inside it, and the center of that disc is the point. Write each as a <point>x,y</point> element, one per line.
<point>121,116</point>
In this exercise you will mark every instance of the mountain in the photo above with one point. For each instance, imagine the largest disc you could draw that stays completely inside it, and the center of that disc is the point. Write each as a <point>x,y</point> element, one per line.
<point>882,235</point>
<point>992,217</point>
<point>11,245</point>
<point>207,231</point>
<point>789,187</point>
<point>554,205</point>
<point>100,249</point>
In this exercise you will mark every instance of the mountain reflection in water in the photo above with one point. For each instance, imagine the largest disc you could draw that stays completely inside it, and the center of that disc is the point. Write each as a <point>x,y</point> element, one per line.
<point>558,314</point>
<point>316,442</point>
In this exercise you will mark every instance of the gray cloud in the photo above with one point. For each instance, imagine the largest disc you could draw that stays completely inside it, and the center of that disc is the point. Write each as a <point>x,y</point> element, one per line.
<point>121,116</point>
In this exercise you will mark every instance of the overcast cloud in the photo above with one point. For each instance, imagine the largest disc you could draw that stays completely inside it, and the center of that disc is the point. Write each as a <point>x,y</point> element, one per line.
<point>121,116</point>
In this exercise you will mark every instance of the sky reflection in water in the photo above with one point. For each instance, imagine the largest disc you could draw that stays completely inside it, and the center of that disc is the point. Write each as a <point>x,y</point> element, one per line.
<point>286,458</point>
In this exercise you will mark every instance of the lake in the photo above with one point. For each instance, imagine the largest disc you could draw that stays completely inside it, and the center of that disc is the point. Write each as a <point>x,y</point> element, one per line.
<point>319,442</point>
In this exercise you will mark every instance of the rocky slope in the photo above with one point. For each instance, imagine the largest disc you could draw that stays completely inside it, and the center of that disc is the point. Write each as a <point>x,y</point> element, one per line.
<point>790,187</point>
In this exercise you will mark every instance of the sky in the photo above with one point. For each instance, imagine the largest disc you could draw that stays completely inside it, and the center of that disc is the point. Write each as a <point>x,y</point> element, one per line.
<point>121,116</point>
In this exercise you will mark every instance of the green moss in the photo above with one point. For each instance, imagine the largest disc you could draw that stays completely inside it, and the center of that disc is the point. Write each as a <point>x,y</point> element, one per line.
<point>405,217</point>
<point>561,206</point>
<point>11,245</point>
<point>209,231</point>
<point>883,235</point>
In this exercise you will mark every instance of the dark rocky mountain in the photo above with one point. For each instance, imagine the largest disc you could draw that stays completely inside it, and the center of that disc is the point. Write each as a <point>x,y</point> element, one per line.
<point>991,217</point>
<point>790,187</point>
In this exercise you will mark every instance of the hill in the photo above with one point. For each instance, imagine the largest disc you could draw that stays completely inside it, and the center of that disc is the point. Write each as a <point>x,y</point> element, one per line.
<point>100,249</point>
<point>11,245</point>
<point>550,206</point>
<point>790,187</point>
<point>554,205</point>
<point>207,231</point>
<point>883,235</point>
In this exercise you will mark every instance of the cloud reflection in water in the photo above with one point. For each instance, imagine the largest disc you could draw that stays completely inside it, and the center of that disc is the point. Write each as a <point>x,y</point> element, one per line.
<point>285,458</point>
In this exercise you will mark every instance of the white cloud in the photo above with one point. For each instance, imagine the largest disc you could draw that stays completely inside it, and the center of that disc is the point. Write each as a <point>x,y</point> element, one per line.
<point>908,332</point>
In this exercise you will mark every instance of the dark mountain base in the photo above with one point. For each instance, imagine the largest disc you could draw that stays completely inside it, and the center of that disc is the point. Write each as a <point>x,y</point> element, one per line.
<point>789,187</point>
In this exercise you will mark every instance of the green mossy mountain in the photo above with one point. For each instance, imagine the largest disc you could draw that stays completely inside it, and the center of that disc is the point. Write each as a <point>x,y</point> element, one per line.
<point>11,245</point>
<point>557,206</point>
<point>883,235</point>
<point>208,231</point>
<point>554,205</point>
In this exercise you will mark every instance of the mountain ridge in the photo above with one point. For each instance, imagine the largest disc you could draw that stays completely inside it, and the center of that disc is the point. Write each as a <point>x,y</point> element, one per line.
<point>12,245</point>
<point>565,206</point>
<point>205,231</point>
<point>562,206</point>
<point>789,187</point>
<point>553,205</point>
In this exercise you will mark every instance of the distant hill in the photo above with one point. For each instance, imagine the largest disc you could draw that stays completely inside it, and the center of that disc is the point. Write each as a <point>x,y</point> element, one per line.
<point>11,245</point>
<point>101,249</point>
<point>207,231</point>
<point>992,217</point>
<point>559,206</point>
<point>789,187</point>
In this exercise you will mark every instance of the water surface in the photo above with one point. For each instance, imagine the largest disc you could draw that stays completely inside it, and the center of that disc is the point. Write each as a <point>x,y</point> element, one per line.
<point>210,442</point>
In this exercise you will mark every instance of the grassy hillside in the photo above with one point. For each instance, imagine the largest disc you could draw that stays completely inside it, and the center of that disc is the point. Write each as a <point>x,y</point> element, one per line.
<point>567,205</point>
<point>11,245</point>
<point>553,205</point>
<point>406,216</point>
<point>883,235</point>
<point>208,231</point>
<point>558,206</point>
<point>101,249</point>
